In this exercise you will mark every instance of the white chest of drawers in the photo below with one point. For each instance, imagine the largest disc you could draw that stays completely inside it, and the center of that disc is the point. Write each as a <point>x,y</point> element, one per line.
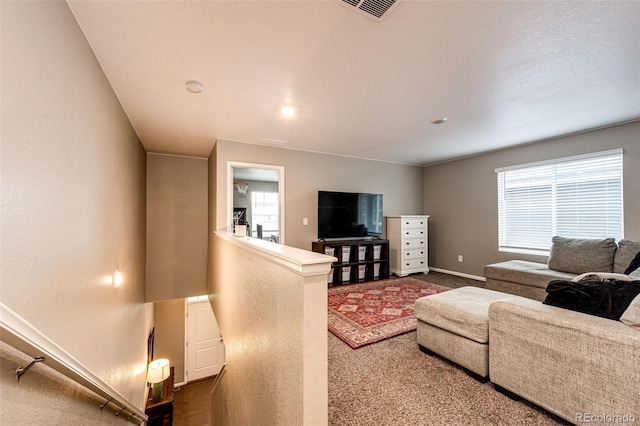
<point>408,244</point>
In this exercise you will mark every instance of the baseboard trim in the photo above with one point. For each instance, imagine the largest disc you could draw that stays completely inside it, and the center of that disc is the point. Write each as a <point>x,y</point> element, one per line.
<point>458,274</point>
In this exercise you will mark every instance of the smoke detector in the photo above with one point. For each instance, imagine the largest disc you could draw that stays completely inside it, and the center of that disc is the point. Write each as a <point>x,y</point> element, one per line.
<point>373,9</point>
<point>194,86</point>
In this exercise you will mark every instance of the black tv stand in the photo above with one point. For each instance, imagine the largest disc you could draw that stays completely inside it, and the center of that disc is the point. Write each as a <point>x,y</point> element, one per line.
<point>367,260</point>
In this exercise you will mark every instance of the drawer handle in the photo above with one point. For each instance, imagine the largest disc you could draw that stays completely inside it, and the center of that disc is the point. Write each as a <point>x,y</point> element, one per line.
<point>407,243</point>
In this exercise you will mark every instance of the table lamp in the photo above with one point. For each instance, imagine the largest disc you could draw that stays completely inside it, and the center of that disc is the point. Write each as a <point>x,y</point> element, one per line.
<point>158,372</point>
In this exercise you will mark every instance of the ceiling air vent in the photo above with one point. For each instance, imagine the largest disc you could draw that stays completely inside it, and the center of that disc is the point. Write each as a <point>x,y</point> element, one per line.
<point>374,9</point>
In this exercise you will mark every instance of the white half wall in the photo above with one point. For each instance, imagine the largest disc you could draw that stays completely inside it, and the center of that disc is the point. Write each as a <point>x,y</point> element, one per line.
<point>270,302</point>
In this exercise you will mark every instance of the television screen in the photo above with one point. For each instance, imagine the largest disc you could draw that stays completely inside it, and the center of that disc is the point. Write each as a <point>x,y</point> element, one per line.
<point>349,215</point>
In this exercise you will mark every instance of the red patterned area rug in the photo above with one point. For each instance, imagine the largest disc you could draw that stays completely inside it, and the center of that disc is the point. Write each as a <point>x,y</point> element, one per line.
<point>360,314</point>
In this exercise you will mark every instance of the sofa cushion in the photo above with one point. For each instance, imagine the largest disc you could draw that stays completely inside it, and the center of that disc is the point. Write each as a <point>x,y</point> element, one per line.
<point>631,316</point>
<point>523,272</point>
<point>463,311</point>
<point>607,299</point>
<point>577,255</point>
<point>634,265</point>
<point>627,249</point>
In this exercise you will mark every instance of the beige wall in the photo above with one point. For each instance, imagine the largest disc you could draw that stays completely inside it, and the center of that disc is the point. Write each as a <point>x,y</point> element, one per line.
<point>461,196</point>
<point>169,319</point>
<point>306,173</point>
<point>176,227</point>
<point>73,211</point>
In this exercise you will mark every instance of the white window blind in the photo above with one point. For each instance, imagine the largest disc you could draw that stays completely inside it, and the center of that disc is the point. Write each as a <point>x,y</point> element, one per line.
<point>576,197</point>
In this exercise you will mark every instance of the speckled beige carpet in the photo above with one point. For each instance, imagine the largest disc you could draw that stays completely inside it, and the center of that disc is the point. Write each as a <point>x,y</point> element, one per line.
<point>392,383</point>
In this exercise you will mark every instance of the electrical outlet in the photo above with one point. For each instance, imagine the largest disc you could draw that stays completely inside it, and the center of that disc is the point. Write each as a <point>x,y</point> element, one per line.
<point>460,258</point>
<point>305,221</point>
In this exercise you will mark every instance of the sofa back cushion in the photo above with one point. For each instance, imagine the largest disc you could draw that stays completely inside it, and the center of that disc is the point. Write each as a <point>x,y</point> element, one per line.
<point>625,253</point>
<point>578,255</point>
<point>634,267</point>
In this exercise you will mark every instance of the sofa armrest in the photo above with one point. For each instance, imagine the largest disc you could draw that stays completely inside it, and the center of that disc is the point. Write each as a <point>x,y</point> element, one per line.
<point>570,363</point>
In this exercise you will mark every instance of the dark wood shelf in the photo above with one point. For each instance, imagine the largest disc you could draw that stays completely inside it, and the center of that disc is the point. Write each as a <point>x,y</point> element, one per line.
<point>360,269</point>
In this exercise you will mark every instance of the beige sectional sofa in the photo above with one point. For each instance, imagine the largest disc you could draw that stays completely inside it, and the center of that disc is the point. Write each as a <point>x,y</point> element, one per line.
<point>568,259</point>
<point>584,368</point>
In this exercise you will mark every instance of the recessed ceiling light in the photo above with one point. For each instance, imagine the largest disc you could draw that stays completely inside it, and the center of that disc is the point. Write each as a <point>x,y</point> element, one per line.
<point>438,120</point>
<point>194,86</point>
<point>288,110</point>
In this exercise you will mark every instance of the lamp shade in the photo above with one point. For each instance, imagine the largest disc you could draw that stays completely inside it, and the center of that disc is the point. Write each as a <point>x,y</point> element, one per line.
<point>158,370</point>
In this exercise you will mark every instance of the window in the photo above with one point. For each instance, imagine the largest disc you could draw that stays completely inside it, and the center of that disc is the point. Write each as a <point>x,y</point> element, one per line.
<point>576,197</point>
<point>197,299</point>
<point>264,211</point>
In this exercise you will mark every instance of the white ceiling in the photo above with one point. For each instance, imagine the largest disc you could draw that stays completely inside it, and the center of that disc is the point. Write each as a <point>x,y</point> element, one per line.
<point>503,72</point>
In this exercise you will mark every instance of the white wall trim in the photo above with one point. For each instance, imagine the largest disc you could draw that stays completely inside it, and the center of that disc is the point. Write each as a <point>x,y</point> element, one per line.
<point>185,374</point>
<point>322,152</point>
<point>458,274</point>
<point>280,169</point>
<point>177,155</point>
<point>610,152</point>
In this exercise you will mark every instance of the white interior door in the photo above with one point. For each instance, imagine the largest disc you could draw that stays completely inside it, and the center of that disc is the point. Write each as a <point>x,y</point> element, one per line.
<point>204,348</point>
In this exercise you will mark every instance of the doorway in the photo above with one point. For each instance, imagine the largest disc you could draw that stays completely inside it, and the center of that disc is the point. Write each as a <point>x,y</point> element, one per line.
<point>204,349</point>
<point>255,193</point>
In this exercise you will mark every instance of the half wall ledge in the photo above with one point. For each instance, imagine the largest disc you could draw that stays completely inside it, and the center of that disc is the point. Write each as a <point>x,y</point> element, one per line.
<point>303,262</point>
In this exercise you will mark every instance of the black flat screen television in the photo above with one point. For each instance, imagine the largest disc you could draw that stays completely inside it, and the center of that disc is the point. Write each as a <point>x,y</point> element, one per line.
<point>349,215</point>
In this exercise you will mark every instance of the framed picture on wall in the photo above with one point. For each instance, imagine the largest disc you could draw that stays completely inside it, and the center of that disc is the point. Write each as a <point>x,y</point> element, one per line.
<point>151,344</point>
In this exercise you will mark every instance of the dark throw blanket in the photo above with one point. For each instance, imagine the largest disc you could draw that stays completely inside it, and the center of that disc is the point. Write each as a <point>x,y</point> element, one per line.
<point>607,299</point>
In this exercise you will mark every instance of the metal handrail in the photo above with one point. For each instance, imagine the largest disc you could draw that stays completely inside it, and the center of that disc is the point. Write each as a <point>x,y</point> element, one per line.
<point>17,332</point>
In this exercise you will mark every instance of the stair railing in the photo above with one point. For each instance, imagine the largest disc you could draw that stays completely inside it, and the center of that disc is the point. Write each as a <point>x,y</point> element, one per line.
<point>17,332</point>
